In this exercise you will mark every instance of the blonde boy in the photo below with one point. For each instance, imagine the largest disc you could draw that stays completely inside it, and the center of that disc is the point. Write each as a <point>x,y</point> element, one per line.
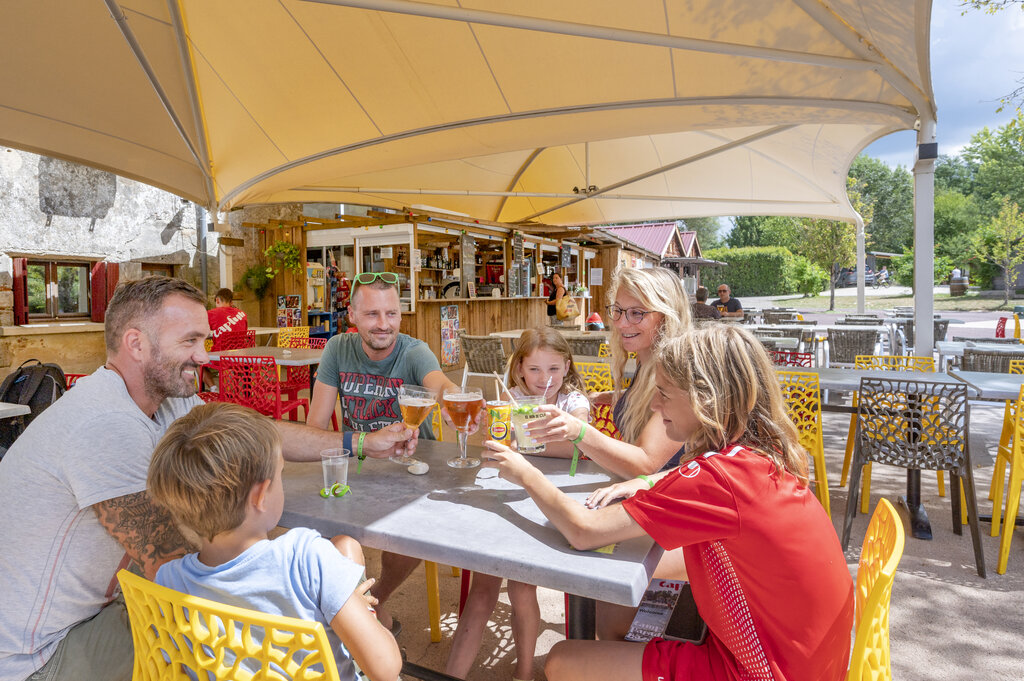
<point>217,470</point>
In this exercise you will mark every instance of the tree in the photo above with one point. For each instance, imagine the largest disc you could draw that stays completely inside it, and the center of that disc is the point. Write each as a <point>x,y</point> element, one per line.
<point>957,217</point>
<point>955,173</point>
<point>998,156</point>
<point>746,231</point>
<point>765,230</point>
<point>890,192</point>
<point>832,245</point>
<point>707,231</point>
<point>1001,242</point>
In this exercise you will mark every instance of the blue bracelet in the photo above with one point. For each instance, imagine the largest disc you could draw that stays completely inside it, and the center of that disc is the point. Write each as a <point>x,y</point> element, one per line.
<point>346,440</point>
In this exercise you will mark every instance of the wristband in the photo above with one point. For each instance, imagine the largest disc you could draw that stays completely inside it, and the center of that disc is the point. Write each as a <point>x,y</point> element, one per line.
<point>650,483</point>
<point>575,449</point>
<point>359,452</point>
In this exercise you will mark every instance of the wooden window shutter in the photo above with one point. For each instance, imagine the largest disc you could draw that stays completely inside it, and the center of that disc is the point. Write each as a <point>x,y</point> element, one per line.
<point>102,281</point>
<point>20,281</point>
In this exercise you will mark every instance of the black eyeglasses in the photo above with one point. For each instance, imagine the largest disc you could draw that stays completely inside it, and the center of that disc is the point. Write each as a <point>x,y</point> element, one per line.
<point>370,277</point>
<point>723,290</point>
<point>634,315</point>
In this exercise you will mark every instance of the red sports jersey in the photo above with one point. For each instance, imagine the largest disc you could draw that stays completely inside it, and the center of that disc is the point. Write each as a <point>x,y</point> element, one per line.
<point>227,320</point>
<point>765,566</point>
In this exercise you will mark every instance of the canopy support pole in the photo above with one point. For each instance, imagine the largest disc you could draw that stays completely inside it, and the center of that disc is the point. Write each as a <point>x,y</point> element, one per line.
<point>859,221</point>
<point>924,237</point>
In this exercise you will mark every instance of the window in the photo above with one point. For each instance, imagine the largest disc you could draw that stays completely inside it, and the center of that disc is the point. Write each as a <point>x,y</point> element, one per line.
<point>57,289</point>
<point>157,269</point>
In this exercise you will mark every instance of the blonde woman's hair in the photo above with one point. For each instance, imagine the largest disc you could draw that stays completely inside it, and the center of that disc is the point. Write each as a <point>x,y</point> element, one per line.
<point>735,393</point>
<point>544,338</point>
<point>207,463</point>
<point>659,290</point>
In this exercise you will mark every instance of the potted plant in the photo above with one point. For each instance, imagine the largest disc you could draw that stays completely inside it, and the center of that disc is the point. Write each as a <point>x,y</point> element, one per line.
<point>282,255</point>
<point>256,279</point>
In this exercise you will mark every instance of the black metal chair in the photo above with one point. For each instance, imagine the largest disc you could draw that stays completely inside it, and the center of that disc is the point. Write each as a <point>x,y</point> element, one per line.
<point>915,424</point>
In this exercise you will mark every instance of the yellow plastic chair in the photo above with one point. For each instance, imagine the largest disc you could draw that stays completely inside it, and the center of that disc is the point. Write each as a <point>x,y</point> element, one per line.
<point>604,351</point>
<point>596,375</point>
<point>884,363</point>
<point>1016,325</point>
<point>879,556</point>
<point>1011,455</point>
<point>288,336</point>
<point>171,630</point>
<point>802,393</point>
<point>1005,437</point>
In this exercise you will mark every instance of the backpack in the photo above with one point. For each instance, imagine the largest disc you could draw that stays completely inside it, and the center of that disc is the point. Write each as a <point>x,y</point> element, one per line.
<point>34,384</point>
<point>566,308</point>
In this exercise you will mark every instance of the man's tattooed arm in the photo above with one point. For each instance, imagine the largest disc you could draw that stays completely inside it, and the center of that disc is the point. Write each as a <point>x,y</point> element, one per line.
<point>145,530</point>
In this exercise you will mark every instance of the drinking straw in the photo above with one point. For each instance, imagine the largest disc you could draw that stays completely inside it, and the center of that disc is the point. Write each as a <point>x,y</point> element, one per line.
<point>547,387</point>
<point>505,388</point>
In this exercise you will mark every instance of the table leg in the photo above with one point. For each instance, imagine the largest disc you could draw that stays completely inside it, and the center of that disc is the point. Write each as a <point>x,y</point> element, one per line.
<point>920,527</point>
<point>580,618</point>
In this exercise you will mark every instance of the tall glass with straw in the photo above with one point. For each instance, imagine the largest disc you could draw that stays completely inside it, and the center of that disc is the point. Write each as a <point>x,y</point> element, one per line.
<point>464,406</point>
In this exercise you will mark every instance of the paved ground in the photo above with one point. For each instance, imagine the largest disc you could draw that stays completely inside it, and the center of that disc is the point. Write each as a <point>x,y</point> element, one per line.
<point>946,622</point>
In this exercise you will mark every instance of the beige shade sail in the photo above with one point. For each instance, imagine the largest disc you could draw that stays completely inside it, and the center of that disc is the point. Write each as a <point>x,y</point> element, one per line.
<point>567,112</point>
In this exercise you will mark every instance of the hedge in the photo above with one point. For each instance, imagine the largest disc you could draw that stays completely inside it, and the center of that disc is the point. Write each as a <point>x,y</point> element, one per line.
<point>759,271</point>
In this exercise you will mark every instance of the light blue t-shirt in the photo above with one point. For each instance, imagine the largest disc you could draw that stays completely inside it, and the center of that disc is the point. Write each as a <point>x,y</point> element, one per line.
<point>299,574</point>
<point>369,389</point>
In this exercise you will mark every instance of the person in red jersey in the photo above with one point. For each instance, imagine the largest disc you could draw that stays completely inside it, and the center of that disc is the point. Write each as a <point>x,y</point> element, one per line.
<point>763,560</point>
<point>225,319</point>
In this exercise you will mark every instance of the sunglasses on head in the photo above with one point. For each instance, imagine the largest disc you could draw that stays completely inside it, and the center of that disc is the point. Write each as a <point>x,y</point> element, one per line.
<point>370,277</point>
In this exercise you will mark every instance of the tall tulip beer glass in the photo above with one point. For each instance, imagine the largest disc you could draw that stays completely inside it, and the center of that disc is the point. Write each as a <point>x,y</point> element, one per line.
<point>464,406</point>
<point>416,403</point>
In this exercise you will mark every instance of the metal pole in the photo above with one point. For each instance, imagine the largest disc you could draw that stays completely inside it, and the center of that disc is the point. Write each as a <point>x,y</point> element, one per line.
<point>859,222</point>
<point>924,237</point>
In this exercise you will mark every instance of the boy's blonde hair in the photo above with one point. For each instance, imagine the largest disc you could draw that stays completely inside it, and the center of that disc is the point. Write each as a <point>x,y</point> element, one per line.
<point>735,393</point>
<point>544,338</point>
<point>207,463</point>
<point>659,290</point>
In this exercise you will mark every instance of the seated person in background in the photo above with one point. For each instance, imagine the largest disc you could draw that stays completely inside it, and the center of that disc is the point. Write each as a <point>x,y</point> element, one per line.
<point>217,470</point>
<point>701,309</point>
<point>726,304</point>
<point>762,558</point>
<point>224,318</point>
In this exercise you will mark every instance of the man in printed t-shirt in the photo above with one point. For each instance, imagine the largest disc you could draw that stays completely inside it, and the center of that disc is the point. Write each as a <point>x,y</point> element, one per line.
<point>365,370</point>
<point>224,318</point>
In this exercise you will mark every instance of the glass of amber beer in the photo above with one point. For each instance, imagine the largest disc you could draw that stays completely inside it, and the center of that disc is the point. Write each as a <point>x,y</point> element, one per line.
<point>464,406</point>
<point>416,403</point>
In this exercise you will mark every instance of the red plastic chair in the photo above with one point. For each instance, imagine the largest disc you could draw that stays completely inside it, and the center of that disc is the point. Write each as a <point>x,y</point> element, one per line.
<point>252,382</point>
<point>601,418</point>
<point>787,358</point>
<point>297,378</point>
<point>71,379</point>
<point>1001,327</point>
<point>227,341</point>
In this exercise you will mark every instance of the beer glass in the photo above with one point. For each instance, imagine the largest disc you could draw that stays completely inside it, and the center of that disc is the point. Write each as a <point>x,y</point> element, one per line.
<point>464,406</point>
<point>416,403</point>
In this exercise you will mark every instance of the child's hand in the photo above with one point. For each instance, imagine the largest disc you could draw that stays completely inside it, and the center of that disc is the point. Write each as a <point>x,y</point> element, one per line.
<point>559,425</point>
<point>620,490</point>
<point>364,591</point>
<point>510,464</point>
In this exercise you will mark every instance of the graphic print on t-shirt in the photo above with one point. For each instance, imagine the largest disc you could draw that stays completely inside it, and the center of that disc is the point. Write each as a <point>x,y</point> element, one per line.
<point>369,402</point>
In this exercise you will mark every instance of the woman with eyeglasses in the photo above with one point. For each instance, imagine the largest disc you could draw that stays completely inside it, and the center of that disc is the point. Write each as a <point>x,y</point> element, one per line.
<point>647,306</point>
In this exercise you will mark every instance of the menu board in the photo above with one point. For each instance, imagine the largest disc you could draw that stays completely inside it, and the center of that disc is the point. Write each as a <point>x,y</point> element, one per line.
<point>450,335</point>
<point>289,311</point>
<point>468,263</point>
<point>517,247</point>
<point>513,281</point>
<point>566,255</point>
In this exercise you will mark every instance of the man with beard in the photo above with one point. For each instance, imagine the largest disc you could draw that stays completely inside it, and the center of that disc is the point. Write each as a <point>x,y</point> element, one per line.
<point>74,495</point>
<point>366,369</point>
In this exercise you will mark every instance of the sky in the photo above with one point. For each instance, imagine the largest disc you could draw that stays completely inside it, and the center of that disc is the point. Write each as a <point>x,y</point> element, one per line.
<point>975,59</point>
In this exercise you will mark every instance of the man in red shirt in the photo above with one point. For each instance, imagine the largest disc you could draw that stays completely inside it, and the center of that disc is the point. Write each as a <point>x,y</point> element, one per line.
<point>225,319</point>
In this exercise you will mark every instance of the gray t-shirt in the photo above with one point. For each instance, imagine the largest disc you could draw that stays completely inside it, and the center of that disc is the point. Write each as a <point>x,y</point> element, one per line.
<point>369,389</point>
<point>58,562</point>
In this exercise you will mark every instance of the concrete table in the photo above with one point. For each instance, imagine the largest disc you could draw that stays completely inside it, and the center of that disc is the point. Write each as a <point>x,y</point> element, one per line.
<point>472,519</point>
<point>8,410</point>
<point>989,386</point>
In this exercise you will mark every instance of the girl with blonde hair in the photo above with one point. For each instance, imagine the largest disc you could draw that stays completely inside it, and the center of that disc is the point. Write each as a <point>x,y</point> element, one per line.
<point>763,560</point>
<point>647,307</point>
